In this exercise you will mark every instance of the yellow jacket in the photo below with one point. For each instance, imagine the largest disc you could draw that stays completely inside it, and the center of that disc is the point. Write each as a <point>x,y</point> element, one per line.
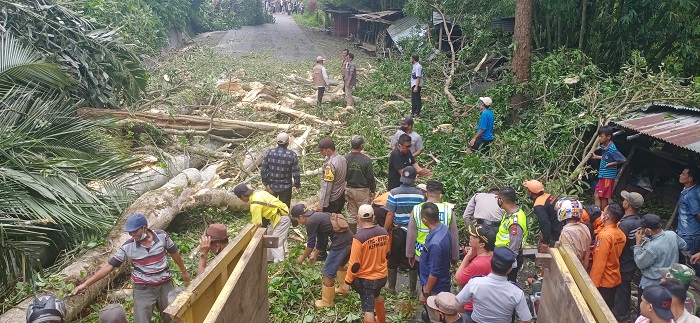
<point>264,205</point>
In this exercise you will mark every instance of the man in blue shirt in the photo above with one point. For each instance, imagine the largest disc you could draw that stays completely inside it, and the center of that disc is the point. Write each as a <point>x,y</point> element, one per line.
<point>435,257</point>
<point>689,211</point>
<point>484,131</point>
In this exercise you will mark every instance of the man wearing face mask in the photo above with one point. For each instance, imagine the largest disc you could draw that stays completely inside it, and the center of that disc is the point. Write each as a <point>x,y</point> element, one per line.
<point>399,159</point>
<point>655,249</point>
<point>416,140</point>
<point>151,276</point>
<point>214,239</point>
<point>331,198</point>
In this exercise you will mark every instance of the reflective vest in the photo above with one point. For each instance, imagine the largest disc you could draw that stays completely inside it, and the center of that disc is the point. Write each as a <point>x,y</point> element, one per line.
<point>422,233</point>
<point>503,236</point>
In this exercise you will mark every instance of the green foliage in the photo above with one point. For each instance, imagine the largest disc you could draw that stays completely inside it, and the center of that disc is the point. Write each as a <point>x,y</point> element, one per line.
<point>311,19</point>
<point>107,74</point>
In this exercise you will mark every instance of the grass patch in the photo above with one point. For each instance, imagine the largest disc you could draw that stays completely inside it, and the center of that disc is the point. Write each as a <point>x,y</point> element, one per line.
<point>315,20</point>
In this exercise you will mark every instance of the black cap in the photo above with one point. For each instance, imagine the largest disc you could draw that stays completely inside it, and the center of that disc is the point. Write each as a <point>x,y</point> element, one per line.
<point>660,298</point>
<point>242,190</point>
<point>407,120</point>
<point>325,143</point>
<point>651,221</point>
<point>408,175</point>
<point>299,210</point>
<point>433,185</point>
<point>504,256</point>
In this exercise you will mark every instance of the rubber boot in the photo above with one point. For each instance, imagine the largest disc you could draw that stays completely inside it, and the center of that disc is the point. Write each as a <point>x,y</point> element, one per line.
<point>379,311</point>
<point>341,283</point>
<point>353,227</point>
<point>327,296</point>
<point>391,281</point>
<point>412,279</point>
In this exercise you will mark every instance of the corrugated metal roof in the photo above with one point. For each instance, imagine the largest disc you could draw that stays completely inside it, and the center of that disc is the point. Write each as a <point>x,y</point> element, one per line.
<point>377,16</point>
<point>665,106</point>
<point>677,128</point>
<point>507,24</point>
<point>403,28</point>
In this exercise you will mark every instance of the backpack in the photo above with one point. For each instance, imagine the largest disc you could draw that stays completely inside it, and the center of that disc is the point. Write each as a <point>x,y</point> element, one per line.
<point>339,223</point>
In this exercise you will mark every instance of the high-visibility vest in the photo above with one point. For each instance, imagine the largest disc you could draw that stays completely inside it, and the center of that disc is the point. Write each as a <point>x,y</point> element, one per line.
<point>422,233</point>
<point>503,236</point>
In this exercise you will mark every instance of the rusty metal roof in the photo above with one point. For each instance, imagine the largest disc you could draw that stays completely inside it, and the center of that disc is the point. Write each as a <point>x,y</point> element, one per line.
<point>678,128</point>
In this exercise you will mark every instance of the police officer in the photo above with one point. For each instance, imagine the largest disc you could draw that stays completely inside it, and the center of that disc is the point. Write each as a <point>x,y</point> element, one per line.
<point>495,298</point>
<point>512,232</point>
<point>418,231</point>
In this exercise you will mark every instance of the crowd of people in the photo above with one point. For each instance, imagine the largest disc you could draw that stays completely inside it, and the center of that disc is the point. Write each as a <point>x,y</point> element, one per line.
<point>411,228</point>
<point>283,6</point>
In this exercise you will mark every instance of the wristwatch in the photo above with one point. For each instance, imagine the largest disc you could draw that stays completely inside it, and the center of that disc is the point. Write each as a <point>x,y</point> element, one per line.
<point>424,293</point>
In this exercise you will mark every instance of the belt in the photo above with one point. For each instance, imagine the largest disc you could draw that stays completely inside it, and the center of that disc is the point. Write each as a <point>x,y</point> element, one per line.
<point>487,222</point>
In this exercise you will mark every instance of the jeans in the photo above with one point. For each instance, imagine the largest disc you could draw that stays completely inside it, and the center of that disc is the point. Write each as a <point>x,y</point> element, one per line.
<point>623,293</point>
<point>693,246</point>
<point>481,145</point>
<point>319,99</point>
<point>336,259</point>
<point>146,296</point>
<point>335,206</point>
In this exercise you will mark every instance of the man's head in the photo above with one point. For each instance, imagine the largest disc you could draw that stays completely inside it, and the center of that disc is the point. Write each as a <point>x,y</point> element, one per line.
<point>651,224</point>
<point>481,237</point>
<point>345,52</point>
<point>415,58</point>
<point>282,139</point>
<point>113,313</point>
<point>485,102</point>
<point>430,214</point>
<point>534,188</point>
<point>689,176</point>
<point>493,190</point>
<point>605,134</point>
<point>506,196</point>
<point>46,309</point>
<point>423,188</point>
<point>613,213</point>
<point>444,304</point>
<point>656,303</point>
<point>632,202</point>
<point>502,261</point>
<point>137,226</point>
<point>435,189</point>
<point>679,272</point>
<point>326,147</point>
<point>365,214</point>
<point>678,291</point>
<point>301,213</point>
<point>408,175</point>
<point>404,143</point>
<point>351,56</point>
<point>357,143</point>
<point>320,59</point>
<point>219,237</point>
<point>243,191</point>
<point>407,124</point>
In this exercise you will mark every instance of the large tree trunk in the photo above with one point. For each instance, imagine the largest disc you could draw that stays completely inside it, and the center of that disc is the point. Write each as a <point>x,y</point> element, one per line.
<point>521,58</point>
<point>189,189</point>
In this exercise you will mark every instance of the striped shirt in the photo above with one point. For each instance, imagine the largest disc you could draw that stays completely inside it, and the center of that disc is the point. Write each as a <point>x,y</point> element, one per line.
<point>150,264</point>
<point>280,169</point>
<point>610,154</point>
<point>401,201</point>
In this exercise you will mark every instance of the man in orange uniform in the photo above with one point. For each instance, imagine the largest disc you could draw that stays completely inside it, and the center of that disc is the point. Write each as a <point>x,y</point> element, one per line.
<point>605,271</point>
<point>544,207</point>
<point>368,265</point>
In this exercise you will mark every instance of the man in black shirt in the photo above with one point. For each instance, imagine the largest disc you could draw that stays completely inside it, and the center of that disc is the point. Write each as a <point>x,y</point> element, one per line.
<point>401,157</point>
<point>319,230</point>
<point>361,184</point>
<point>629,224</point>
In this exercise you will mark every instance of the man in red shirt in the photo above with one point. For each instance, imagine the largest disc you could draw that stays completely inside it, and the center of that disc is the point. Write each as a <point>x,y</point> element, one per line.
<point>477,261</point>
<point>605,271</point>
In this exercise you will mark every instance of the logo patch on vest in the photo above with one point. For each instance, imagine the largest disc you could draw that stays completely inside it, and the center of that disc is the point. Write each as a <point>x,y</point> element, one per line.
<point>328,175</point>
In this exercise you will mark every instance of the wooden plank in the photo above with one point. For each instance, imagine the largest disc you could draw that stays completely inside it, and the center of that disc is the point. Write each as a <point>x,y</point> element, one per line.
<point>202,292</point>
<point>271,241</point>
<point>593,298</point>
<point>245,294</point>
<point>543,259</point>
<point>561,299</point>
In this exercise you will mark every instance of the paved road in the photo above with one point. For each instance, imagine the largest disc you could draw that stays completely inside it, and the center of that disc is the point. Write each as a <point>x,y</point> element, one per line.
<point>283,39</point>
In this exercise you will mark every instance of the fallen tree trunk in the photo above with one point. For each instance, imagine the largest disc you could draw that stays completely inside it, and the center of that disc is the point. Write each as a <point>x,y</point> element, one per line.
<point>254,157</point>
<point>295,113</point>
<point>189,189</point>
<point>214,126</point>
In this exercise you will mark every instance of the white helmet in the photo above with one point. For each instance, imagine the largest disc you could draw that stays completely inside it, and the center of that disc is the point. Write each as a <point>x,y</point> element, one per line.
<point>568,208</point>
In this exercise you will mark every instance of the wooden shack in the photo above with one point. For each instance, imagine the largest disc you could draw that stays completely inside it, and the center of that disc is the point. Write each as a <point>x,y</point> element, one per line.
<point>341,24</point>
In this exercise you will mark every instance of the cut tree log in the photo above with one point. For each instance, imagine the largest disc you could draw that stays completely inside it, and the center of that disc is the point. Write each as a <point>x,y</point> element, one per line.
<point>253,158</point>
<point>160,206</point>
<point>214,126</point>
<point>295,113</point>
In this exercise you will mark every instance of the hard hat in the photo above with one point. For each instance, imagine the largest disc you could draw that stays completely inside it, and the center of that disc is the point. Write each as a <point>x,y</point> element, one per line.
<point>534,186</point>
<point>568,208</point>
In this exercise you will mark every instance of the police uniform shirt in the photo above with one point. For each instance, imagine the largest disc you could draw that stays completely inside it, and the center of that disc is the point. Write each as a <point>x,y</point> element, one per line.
<point>495,299</point>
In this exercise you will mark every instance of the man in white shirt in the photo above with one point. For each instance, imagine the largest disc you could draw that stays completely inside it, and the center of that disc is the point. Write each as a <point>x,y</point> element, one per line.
<point>483,207</point>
